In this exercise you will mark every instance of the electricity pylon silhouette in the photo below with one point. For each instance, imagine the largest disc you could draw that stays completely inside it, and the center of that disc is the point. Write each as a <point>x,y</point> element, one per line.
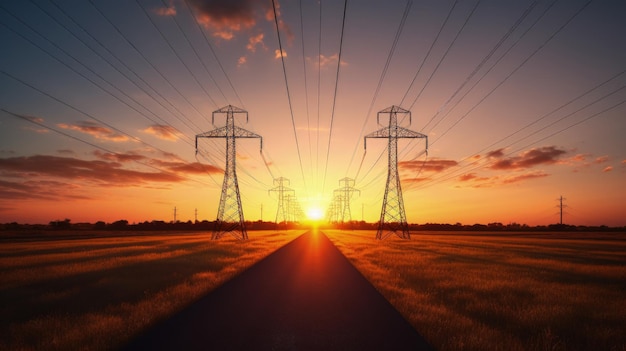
<point>392,215</point>
<point>282,213</point>
<point>230,213</point>
<point>343,194</point>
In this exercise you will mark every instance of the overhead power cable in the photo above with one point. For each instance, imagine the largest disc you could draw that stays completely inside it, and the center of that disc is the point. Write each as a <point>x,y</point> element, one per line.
<point>445,54</point>
<point>169,44</point>
<point>380,83</point>
<point>332,114</point>
<point>545,42</point>
<point>293,121</point>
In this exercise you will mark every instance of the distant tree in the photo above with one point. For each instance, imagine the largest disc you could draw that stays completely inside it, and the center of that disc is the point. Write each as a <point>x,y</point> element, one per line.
<point>121,224</point>
<point>99,225</point>
<point>58,224</point>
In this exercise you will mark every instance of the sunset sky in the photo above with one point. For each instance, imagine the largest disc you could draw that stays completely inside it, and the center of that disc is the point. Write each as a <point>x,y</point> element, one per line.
<point>522,102</point>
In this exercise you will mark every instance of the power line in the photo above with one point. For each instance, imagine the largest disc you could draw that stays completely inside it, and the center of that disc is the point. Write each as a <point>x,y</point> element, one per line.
<point>293,121</point>
<point>214,55</point>
<point>445,54</point>
<point>332,115</point>
<point>30,120</point>
<point>432,45</point>
<point>176,53</point>
<point>484,61</point>
<point>106,18</point>
<point>380,82</point>
<point>515,70</point>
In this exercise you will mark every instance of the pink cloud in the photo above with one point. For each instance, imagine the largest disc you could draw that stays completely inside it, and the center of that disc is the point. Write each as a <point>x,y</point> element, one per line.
<point>607,169</point>
<point>95,130</point>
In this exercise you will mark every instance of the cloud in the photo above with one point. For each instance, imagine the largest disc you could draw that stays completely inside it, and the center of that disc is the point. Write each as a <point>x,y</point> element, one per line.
<point>65,152</point>
<point>255,41</point>
<point>607,169</point>
<point>325,61</point>
<point>601,159</point>
<point>521,177</point>
<point>241,61</point>
<point>101,172</point>
<point>432,165</point>
<point>277,53</point>
<point>226,17</point>
<point>527,159</point>
<point>40,190</point>
<point>166,10</point>
<point>118,157</point>
<point>95,130</point>
<point>164,132</point>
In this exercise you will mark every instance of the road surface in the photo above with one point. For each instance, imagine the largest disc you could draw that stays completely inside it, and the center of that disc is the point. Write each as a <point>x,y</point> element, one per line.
<point>304,296</point>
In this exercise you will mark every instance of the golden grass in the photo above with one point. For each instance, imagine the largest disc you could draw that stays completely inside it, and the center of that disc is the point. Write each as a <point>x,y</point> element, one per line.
<point>97,293</point>
<point>501,292</point>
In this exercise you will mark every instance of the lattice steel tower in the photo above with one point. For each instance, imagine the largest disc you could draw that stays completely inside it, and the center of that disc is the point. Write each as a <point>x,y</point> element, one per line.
<point>230,213</point>
<point>282,213</point>
<point>343,195</point>
<point>392,215</point>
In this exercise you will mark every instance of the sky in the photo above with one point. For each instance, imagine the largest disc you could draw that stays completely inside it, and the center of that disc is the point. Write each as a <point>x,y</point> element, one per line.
<point>523,102</point>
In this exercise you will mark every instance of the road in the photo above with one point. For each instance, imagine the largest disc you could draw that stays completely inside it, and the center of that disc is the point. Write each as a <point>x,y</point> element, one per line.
<point>304,296</point>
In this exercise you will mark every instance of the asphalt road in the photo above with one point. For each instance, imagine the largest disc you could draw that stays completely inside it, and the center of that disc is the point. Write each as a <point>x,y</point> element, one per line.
<point>305,296</point>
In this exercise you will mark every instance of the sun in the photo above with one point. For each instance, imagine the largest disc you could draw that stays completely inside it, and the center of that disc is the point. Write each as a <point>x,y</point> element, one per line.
<point>314,213</point>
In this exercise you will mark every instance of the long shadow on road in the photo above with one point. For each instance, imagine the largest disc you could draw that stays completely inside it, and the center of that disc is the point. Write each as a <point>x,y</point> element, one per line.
<point>305,296</point>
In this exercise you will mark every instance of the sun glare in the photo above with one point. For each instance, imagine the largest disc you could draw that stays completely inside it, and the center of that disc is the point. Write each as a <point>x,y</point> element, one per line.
<point>314,213</point>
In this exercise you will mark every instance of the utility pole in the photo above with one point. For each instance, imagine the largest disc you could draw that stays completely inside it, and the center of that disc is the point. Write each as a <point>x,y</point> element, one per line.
<point>174,214</point>
<point>392,215</point>
<point>282,213</point>
<point>230,213</point>
<point>195,215</point>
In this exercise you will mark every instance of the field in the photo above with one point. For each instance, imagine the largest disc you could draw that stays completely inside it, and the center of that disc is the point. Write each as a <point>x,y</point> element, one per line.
<point>95,291</point>
<point>522,291</point>
<point>462,291</point>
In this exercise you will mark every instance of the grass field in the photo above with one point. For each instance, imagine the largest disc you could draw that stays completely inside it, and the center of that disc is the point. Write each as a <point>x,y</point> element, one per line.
<point>95,291</point>
<point>525,291</point>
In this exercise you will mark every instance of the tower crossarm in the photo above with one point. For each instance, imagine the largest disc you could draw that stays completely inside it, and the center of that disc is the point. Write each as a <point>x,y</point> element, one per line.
<point>385,133</point>
<point>225,132</point>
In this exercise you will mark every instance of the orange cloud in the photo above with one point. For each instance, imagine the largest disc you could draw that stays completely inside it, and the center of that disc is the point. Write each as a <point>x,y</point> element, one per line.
<point>521,177</point>
<point>255,41</point>
<point>607,169</point>
<point>278,53</point>
<point>242,61</point>
<point>95,130</point>
<point>225,18</point>
<point>103,172</point>
<point>40,190</point>
<point>432,165</point>
<point>164,132</point>
<point>527,159</point>
<point>118,157</point>
<point>602,159</point>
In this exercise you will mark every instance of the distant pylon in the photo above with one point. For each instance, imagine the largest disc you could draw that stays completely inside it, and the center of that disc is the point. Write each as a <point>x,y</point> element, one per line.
<point>561,206</point>
<point>392,215</point>
<point>230,213</point>
<point>343,194</point>
<point>282,213</point>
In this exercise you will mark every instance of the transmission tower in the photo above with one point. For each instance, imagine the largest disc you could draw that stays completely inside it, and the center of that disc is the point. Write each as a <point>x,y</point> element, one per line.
<point>344,194</point>
<point>561,206</point>
<point>283,191</point>
<point>392,215</point>
<point>230,213</point>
